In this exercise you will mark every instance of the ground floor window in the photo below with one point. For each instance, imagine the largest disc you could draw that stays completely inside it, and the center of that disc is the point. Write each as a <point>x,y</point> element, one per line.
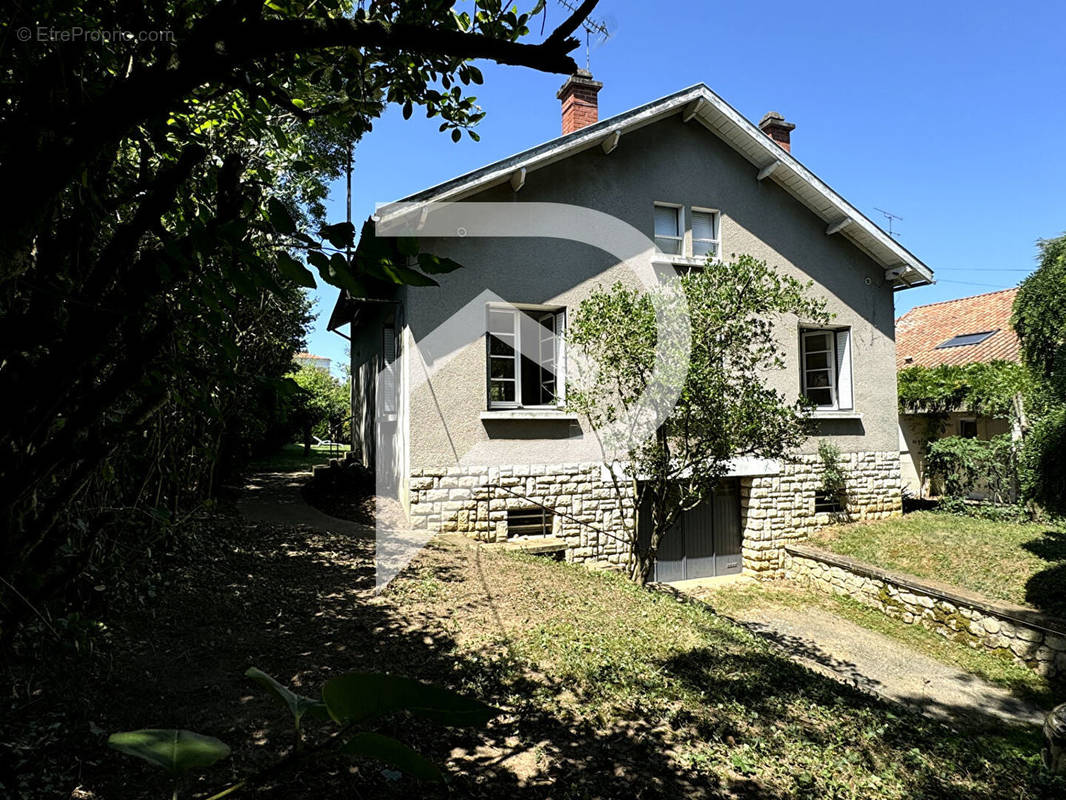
<point>535,521</point>
<point>525,357</point>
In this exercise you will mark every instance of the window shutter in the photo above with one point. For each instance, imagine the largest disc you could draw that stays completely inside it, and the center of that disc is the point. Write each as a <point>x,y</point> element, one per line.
<point>703,225</point>
<point>388,379</point>
<point>560,357</point>
<point>843,348</point>
<point>666,221</point>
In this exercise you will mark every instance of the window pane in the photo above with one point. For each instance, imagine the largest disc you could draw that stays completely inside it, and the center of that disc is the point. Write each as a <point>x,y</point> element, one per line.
<point>817,361</point>
<point>704,248</point>
<point>501,368</point>
<point>820,397</point>
<point>669,246</point>
<point>501,346</point>
<point>667,221</point>
<point>501,321</point>
<point>501,391</point>
<point>704,225</point>
<point>817,379</point>
<point>816,341</point>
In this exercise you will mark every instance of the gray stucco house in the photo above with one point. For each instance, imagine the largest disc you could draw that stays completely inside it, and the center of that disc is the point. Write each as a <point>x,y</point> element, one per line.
<point>480,445</point>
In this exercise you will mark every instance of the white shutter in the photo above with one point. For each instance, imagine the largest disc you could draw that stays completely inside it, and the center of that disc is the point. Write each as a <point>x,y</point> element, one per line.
<point>666,222</point>
<point>843,348</point>
<point>560,357</point>
<point>703,225</point>
<point>388,378</point>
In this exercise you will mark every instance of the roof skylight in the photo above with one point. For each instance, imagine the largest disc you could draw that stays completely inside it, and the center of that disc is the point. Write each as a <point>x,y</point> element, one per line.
<point>965,339</point>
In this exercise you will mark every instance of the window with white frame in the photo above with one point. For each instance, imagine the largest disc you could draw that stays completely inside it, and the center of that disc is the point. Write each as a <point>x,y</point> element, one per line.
<point>669,230</point>
<point>826,367</point>
<point>525,357</point>
<point>704,232</point>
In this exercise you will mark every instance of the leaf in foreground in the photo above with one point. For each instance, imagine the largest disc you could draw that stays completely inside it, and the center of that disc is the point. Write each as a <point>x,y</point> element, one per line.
<point>361,695</point>
<point>389,751</point>
<point>296,703</point>
<point>176,751</point>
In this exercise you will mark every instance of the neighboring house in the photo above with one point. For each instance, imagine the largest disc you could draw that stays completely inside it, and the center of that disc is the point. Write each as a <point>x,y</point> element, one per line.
<point>482,446</point>
<point>309,360</point>
<point>964,331</point>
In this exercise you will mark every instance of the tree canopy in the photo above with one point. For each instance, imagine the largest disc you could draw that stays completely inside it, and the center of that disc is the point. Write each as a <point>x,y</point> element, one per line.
<point>726,407</point>
<point>163,196</point>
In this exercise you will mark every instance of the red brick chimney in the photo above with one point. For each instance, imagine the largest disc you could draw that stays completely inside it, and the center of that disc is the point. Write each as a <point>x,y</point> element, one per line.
<point>774,126</point>
<point>580,106</point>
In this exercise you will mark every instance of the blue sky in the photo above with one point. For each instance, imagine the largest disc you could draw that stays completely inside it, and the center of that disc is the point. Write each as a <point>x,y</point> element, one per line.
<point>949,114</point>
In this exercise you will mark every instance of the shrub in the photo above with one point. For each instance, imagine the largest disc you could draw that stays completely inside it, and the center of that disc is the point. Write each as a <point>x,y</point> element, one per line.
<point>1042,468</point>
<point>966,466</point>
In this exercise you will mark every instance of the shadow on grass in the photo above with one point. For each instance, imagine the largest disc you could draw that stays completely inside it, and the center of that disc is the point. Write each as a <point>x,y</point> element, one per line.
<point>1046,590</point>
<point>296,603</point>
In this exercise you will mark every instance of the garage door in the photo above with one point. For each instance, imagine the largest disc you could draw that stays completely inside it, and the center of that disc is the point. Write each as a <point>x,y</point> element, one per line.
<point>704,542</point>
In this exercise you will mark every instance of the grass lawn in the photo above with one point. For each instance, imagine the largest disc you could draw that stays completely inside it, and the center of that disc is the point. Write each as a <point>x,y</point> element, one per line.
<point>606,690</point>
<point>291,458</point>
<point>993,667</point>
<point>1022,563</point>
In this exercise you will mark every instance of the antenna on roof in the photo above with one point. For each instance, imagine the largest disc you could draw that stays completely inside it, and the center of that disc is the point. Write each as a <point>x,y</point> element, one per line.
<point>890,216</point>
<point>592,27</point>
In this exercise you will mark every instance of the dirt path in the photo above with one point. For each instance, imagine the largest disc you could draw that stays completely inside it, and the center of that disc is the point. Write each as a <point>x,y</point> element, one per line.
<point>877,663</point>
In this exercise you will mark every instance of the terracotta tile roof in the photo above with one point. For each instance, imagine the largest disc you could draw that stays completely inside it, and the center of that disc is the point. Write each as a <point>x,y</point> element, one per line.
<point>920,330</point>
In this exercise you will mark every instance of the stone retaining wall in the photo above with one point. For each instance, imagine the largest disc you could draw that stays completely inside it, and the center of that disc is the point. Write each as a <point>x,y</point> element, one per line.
<point>595,521</point>
<point>1029,637</point>
<point>778,509</point>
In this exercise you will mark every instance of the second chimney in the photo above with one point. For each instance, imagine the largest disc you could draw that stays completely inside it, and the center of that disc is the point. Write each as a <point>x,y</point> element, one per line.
<point>774,126</point>
<point>580,106</point>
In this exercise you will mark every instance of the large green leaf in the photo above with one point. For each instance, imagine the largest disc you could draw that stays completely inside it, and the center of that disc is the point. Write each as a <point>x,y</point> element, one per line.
<point>280,217</point>
<point>295,271</point>
<point>340,235</point>
<point>297,704</point>
<point>358,696</point>
<point>176,751</point>
<point>393,753</point>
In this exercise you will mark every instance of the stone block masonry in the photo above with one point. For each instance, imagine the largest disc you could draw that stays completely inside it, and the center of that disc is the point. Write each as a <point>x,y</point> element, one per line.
<point>778,509</point>
<point>1027,636</point>
<point>595,518</point>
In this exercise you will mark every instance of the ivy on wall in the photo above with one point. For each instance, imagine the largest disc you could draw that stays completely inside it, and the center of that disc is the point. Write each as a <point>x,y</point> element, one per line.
<point>989,388</point>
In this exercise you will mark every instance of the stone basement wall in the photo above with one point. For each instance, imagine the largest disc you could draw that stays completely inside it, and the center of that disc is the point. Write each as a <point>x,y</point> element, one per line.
<point>1030,638</point>
<point>589,516</point>
<point>778,509</point>
<point>775,509</point>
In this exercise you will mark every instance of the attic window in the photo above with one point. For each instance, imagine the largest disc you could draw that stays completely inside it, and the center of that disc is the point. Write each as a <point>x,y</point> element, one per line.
<point>966,339</point>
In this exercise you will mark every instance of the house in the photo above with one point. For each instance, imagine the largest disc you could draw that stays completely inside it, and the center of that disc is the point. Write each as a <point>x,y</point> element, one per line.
<point>478,442</point>
<point>310,360</point>
<point>970,330</point>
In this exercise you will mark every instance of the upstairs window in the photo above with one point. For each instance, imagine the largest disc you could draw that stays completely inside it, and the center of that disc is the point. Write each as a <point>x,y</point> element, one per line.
<point>826,368</point>
<point>704,232</point>
<point>966,339</point>
<point>669,233</point>
<point>525,357</point>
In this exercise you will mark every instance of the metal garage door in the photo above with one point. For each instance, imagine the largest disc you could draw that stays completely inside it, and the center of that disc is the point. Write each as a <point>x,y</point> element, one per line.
<point>704,542</point>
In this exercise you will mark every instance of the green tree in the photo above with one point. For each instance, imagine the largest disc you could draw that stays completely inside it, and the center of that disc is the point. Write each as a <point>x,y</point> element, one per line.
<point>1040,320</point>
<point>324,402</point>
<point>725,408</point>
<point>169,199</point>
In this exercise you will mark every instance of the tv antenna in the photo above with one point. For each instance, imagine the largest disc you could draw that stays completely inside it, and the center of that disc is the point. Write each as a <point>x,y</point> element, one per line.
<point>591,26</point>
<point>890,216</point>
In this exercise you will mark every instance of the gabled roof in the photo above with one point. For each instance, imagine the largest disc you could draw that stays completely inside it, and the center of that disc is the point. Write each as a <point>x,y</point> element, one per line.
<point>922,331</point>
<point>768,159</point>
